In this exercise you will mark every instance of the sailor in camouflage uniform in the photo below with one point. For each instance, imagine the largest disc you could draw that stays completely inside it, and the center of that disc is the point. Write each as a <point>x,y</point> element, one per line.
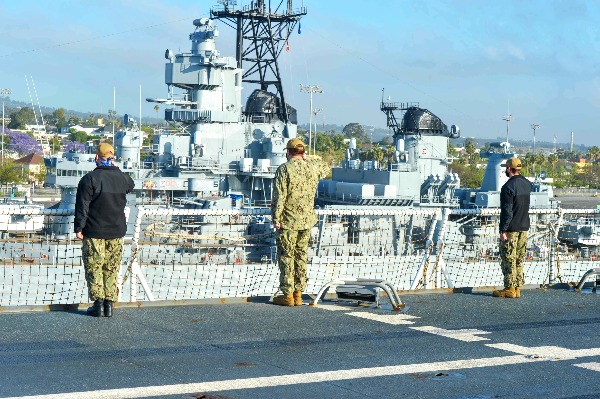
<point>293,217</point>
<point>514,224</point>
<point>100,223</point>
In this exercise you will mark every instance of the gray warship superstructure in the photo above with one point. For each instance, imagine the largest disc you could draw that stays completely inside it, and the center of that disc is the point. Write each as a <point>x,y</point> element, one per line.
<point>416,176</point>
<point>215,146</point>
<point>217,152</point>
<point>488,195</point>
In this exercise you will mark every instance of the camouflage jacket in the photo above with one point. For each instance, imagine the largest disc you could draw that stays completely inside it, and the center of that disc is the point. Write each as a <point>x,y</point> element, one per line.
<point>293,203</point>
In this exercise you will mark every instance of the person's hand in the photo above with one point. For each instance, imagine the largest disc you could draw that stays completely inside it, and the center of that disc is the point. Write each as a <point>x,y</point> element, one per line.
<point>304,156</point>
<point>504,236</point>
<point>79,235</point>
<point>277,226</point>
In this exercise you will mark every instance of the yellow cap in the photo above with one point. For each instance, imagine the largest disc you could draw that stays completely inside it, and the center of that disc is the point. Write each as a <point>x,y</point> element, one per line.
<point>294,144</point>
<point>105,150</point>
<point>514,163</point>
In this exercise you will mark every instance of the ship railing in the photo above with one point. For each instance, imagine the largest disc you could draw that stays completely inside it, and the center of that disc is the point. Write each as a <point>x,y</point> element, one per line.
<point>180,254</point>
<point>401,167</point>
<point>198,164</point>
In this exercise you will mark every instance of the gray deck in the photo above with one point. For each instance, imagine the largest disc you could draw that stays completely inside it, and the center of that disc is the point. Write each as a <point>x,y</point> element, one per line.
<point>226,350</point>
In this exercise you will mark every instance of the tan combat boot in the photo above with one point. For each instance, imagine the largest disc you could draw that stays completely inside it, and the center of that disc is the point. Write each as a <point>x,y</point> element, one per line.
<point>298,298</point>
<point>517,292</point>
<point>505,293</point>
<point>284,300</point>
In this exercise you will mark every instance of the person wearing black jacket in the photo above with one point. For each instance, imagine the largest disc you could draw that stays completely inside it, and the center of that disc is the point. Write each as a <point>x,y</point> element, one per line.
<point>100,223</point>
<point>514,224</point>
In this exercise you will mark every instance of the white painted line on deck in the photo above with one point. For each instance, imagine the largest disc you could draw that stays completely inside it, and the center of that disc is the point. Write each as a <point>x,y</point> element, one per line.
<point>290,379</point>
<point>466,335</point>
<point>549,352</point>
<point>590,366</point>
<point>335,307</point>
<point>395,319</point>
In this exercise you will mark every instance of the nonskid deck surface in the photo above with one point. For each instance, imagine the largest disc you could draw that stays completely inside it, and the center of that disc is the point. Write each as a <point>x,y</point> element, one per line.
<point>462,345</point>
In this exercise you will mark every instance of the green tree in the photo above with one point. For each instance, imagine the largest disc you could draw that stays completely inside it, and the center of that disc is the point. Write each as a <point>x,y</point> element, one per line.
<point>528,163</point>
<point>54,145</point>
<point>378,154</point>
<point>9,173</point>
<point>323,143</point>
<point>471,152</point>
<point>337,140</point>
<point>540,161</point>
<point>552,160</point>
<point>58,118</point>
<point>390,150</point>
<point>452,150</point>
<point>41,177</point>
<point>593,154</point>
<point>20,118</point>
<point>355,130</point>
<point>92,120</point>
<point>470,176</point>
<point>74,120</point>
<point>156,108</point>
<point>79,136</point>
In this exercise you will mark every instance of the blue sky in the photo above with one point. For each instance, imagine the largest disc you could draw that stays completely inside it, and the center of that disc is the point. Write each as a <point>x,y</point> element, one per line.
<point>466,61</point>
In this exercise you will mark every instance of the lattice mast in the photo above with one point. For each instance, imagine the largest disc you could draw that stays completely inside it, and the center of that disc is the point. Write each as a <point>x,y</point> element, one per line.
<point>262,33</point>
<point>395,123</point>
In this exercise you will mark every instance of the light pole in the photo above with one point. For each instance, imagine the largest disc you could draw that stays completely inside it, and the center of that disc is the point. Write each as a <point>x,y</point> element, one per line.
<point>534,127</point>
<point>310,89</point>
<point>4,92</point>
<point>315,113</point>
<point>507,118</point>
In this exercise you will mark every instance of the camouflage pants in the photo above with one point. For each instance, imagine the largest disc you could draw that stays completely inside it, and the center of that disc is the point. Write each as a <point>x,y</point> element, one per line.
<point>512,255</point>
<point>102,260</point>
<point>292,249</point>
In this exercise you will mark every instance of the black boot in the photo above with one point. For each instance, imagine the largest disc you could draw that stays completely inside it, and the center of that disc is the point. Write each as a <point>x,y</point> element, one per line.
<point>108,308</point>
<point>98,309</point>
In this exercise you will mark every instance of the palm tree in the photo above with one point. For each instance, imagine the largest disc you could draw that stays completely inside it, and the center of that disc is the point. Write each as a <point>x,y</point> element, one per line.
<point>390,150</point>
<point>593,154</point>
<point>378,154</point>
<point>529,162</point>
<point>552,160</point>
<point>540,160</point>
<point>156,108</point>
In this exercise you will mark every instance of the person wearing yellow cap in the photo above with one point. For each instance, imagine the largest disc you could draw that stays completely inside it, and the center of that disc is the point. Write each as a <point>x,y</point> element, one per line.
<point>514,224</point>
<point>100,223</point>
<point>292,209</point>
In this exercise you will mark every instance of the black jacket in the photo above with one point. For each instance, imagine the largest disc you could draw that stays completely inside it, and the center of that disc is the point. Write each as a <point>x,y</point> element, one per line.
<point>514,204</point>
<point>100,203</point>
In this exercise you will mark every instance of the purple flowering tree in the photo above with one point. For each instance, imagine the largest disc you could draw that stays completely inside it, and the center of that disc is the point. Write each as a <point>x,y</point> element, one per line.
<point>22,143</point>
<point>75,146</point>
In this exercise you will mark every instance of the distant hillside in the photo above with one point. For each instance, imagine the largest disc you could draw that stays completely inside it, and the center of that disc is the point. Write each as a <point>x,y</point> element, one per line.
<point>11,106</point>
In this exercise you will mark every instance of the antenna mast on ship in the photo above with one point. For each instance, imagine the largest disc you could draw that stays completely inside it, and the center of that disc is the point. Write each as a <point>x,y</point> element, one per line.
<point>263,30</point>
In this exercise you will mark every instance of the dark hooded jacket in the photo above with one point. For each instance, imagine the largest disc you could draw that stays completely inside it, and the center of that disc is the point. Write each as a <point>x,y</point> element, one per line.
<point>100,203</point>
<point>514,204</point>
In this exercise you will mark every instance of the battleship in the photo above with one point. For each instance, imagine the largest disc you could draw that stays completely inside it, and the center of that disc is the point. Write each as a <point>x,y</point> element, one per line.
<point>409,222</point>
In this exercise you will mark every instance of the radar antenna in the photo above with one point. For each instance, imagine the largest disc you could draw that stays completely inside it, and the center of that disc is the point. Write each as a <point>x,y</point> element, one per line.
<point>414,120</point>
<point>262,33</point>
